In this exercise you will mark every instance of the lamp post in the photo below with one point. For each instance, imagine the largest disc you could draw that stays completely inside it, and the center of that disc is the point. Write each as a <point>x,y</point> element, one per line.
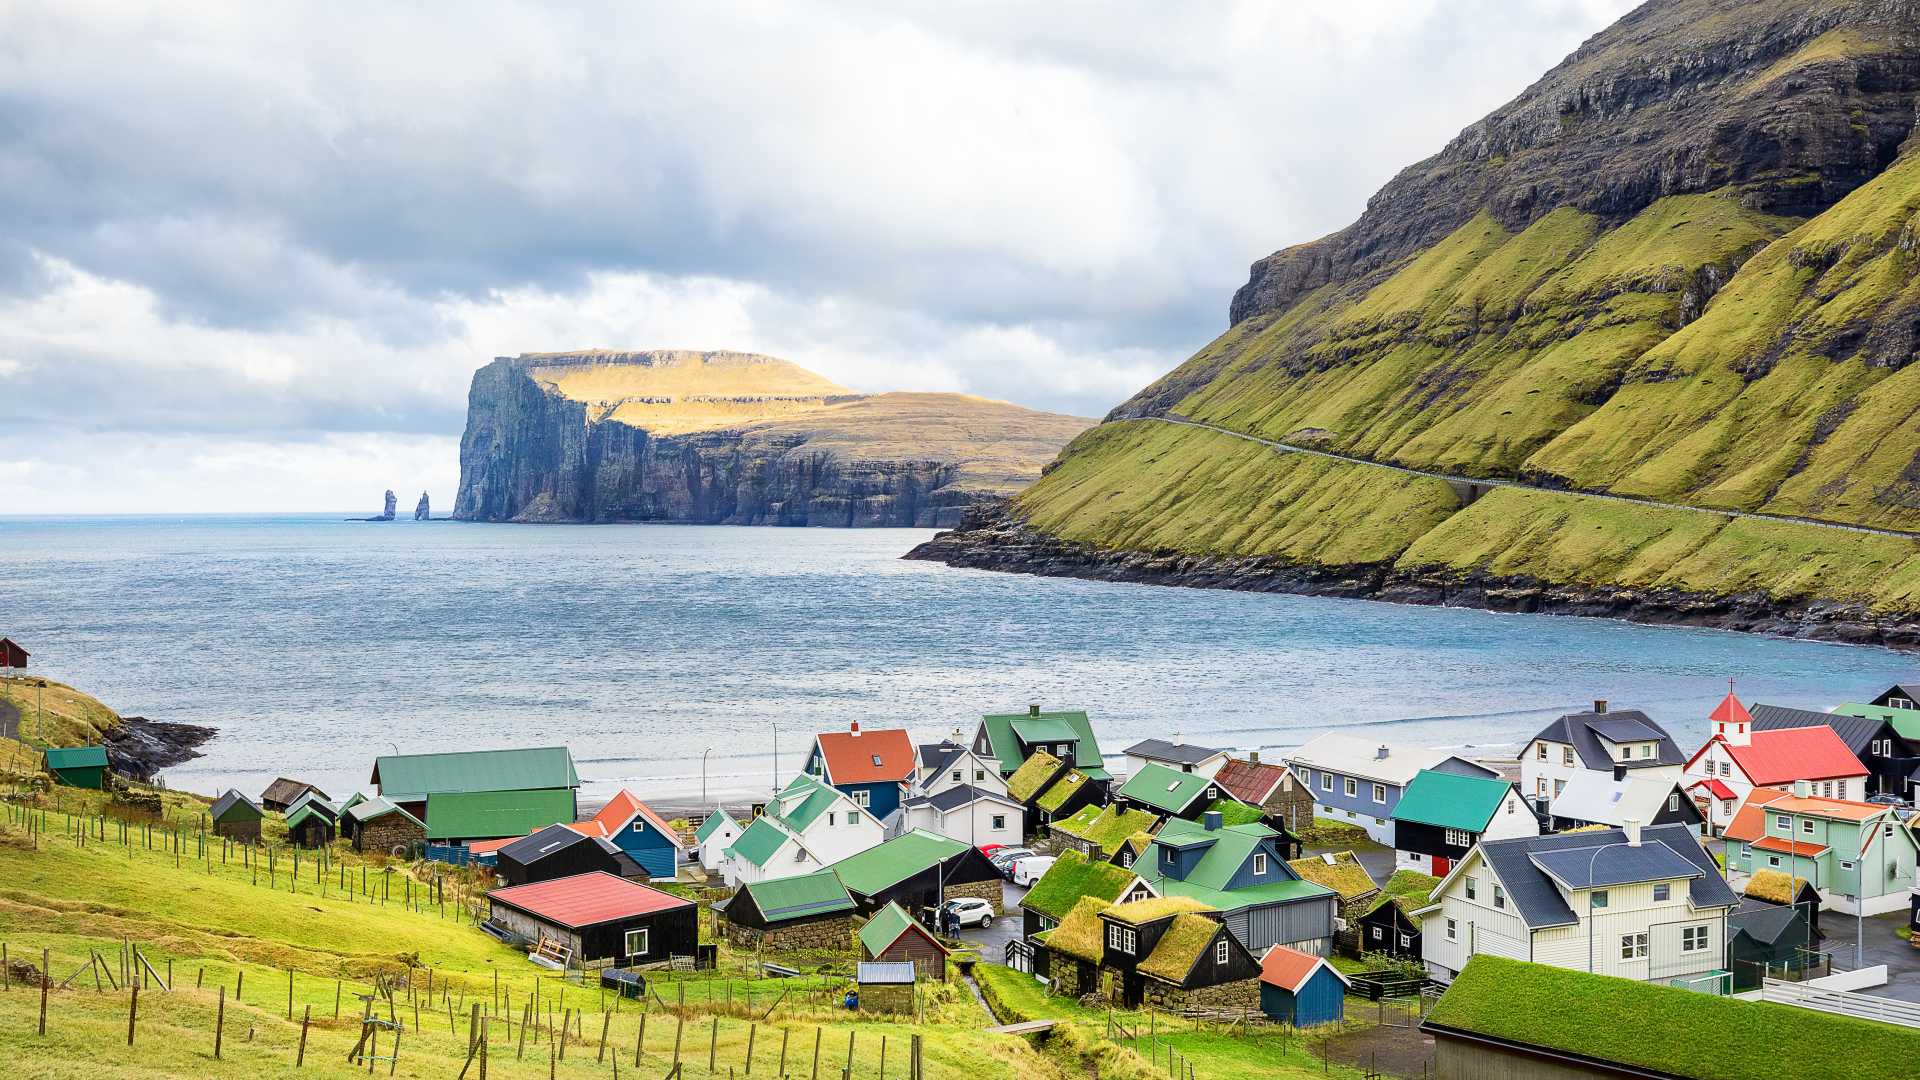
<point>776,758</point>
<point>703,776</point>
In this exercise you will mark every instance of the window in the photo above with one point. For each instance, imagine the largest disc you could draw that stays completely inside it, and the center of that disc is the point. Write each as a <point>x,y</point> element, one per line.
<point>637,942</point>
<point>978,775</point>
<point>956,776</point>
<point>1566,755</point>
<point>1726,768</point>
<point>1826,792</point>
<point>1673,803</point>
<point>999,821</point>
<point>1406,941</point>
<point>1558,787</point>
<point>1844,865</point>
<point>1350,786</point>
<point>799,853</point>
<point>1499,898</point>
<point>876,760</point>
<point>1453,930</point>
<point>1900,703</point>
<point>1646,749</point>
<point>1626,753</point>
<point>1121,938</point>
<point>1126,860</point>
<point>830,817</point>
<point>1259,863</point>
<point>1806,826</point>
<point>1380,793</point>
<point>639,826</point>
<point>1540,751</point>
<point>1212,794</point>
<point>1633,946</point>
<point>1663,891</point>
<point>853,818</point>
<point>1326,781</point>
<point>1692,939</point>
<point>1540,785</point>
<point>863,797</point>
<point>1881,748</point>
<point>1783,822</point>
<point>1773,860</point>
<point>1379,934</point>
<point>1472,888</point>
<point>1510,805</point>
<point>1599,898</point>
<point>1459,838</point>
<point>1221,954</point>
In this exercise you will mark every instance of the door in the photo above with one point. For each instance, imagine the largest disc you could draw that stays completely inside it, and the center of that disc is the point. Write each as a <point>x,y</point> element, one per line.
<point>1441,864</point>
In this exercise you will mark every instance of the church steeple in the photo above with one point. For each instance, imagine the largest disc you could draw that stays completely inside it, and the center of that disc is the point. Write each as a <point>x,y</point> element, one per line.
<point>1731,721</point>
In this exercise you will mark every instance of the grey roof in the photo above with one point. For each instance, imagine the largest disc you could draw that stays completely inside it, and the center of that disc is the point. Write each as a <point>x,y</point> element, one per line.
<point>1855,731</point>
<point>1766,922</point>
<point>1583,732</point>
<point>1614,864</point>
<point>1538,900</point>
<point>934,756</point>
<point>956,797</point>
<point>541,844</point>
<point>869,972</point>
<point>227,802</point>
<point>1177,753</point>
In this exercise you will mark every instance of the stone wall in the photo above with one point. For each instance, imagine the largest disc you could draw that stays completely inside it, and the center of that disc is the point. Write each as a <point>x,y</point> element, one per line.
<point>1071,976</point>
<point>887,998</point>
<point>1243,994</point>
<point>383,834</point>
<point>824,935</point>
<point>990,891</point>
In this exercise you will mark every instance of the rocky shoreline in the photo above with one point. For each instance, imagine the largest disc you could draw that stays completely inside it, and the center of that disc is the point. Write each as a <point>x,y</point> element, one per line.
<point>141,748</point>
<point>993,538</point>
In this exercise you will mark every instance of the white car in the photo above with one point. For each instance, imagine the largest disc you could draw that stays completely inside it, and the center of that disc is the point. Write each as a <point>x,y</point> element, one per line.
<point>1031,869</point>
<point>971,912</point>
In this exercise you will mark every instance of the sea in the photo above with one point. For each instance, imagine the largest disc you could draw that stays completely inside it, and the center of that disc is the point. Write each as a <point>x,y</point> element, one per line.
<point>694,663</point>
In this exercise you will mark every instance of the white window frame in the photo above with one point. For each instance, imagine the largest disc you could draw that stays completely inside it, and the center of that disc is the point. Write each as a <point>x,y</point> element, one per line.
<point>1326,781</point>
<point>1459,838</point>
<point>1633,946</point>
<point>1499,898</point>
<point>1806,826</point>
<point>1350,787</point>
<point>1380,794</point>
<point>1259,864</point>
<point>863,797</point>
<point>639,825</point>
<point>999,821</point>
<point>1566,755</point>
<point>645,934</point>
<point>1773,861</point>
<point>1694,938</point>
<point>1453,930</point>
<point>1406,941</point>
<point>1662,891</point>
<point>853,817</point>
<point>1221,953</point>
<point>957,774</point>
<point>1472,886</point>
<point>1845,865</point>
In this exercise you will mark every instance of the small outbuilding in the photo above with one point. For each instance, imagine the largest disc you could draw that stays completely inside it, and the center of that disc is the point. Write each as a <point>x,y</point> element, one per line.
<point>13,658</point>
<point>715,835</point>
<point>918,871</point>
<point>1390,924</point>
<point>379,824</point>
<point>1763,936</point>
<point>596,920</point>
<point>236,817</point>
<point>283,793</point>
<point>78,766</point>
<point>1300,988</point>
<point>885,987</point>
<point>893,936</point>
<point>806,911</point>
<point>1778,888</point>
<point>558,851</point>
<point>312,824</point>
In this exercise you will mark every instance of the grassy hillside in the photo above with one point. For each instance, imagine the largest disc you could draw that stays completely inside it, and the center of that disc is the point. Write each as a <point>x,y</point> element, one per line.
<point>53,714</point>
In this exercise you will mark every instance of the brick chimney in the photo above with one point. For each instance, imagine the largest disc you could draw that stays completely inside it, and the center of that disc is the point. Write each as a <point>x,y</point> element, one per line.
<point>1599,705</point>
<point>1253,756</point>
<point>854,729</point>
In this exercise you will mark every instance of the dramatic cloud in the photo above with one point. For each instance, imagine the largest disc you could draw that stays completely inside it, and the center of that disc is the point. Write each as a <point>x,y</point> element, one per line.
<point>287,235</point>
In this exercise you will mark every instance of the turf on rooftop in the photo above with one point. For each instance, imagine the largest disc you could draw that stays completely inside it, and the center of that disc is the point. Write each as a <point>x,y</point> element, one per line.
<point>1071,877</point>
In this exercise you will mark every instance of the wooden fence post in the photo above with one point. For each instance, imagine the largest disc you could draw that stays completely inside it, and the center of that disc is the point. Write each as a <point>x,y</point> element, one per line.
<point>606,1021</point>
<point>300,1057</point>
<point>677,1029</point>
<point>133,1012</point>
<point>46,984</point>
<point>713,1044</point>
<point>220,1021</point>
<point>816,1053</point>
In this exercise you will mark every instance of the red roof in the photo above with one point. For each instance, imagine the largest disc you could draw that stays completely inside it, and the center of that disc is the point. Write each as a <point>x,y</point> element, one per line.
<point>863,757</point>
<point>1730,711</point>
<point>619,811</point>
<point>1289,969</point>
<point>1715,788</point>
<point>586,899</point>
<point>1783,755</point>
<point>1249,781</point>
<point>488,847</point>
<point>1750,823</point>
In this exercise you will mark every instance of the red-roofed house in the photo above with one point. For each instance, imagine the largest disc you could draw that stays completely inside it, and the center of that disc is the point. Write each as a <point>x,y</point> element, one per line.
<point>1743,759</point>
<point>1300,988</point>
<point>873,768</point>
<point>1272,787</point>
<point>1858,855</point>
<point>595,917</point>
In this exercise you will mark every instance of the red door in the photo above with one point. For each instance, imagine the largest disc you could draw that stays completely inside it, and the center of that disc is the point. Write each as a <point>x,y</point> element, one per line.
<point>1441,864</point>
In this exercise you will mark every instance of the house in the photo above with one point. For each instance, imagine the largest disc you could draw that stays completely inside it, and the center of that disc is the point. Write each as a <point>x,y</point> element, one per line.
<point>1068,955</point>
<point>811,912</point>
<point>1241,872</point>
<point>283,793</point>
<point>236,817</point>
<point>1763,936</point>
<point>640,833</point>
<point>1011,738</point>
<point>1391,922</point>
<point>1098,831</point>
<point>1129,851</point>
<point>1340,871</point>
<point>378,824</point>
<point>1593,798</point>
<point>78,766</point>
<point>1888,755</point>
<point>598,919</point>
<point>1167,792</point>
<point>1491,1023</point>
<point>885,987</point>
<point>918,871</point>
<point>407,780</point>
<point>1071,877</point>
<point>1177,755</point>
<point>1301,989</point>
<point>459,817</point>
<point>1360,781</point>
<point>715,835</point>
<point>1857,855</point>
<point>13,658</point>
<point>952,764</point>
<point>891,936</point>
<point>1743,759</point>
<point>1443,815</point>
<point>1599,741</point>
<point>873,768</point>
<point>312,823</point>
<point>808,825</point>
<point>1780,889</point>
<point>1281,796</point>
<point>558,851</point>
<point>1644,904</point>
<point>978,816</point>
<point>1173,952</point>
<point>1049,788</point>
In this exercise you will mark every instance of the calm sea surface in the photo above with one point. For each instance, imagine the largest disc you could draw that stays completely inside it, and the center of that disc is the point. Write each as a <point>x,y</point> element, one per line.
<point>314,644</point>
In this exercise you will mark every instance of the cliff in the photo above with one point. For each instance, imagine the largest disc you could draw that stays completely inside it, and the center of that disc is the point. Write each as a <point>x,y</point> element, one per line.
<point>732,438</point>
<point>1679,269</point>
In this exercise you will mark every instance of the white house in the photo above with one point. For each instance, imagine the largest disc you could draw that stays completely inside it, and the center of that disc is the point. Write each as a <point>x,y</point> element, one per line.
<point>969,814</point>
<point>1593,798</point>
<point>1360,781</point>
<point>1598,742</point>
<point>1736,759</point>
<point>1177,755</point>
<point>810,824</point>
<point>715,835</point>
<point>1639,904</point>
<point>949,765</point>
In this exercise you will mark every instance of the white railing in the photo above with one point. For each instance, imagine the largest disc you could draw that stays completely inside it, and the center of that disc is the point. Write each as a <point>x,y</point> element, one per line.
<point>1863,1006</point>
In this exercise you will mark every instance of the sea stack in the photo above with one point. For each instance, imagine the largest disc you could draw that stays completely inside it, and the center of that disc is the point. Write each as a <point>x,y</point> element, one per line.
<point>421,513</point>
<point>391,505</point>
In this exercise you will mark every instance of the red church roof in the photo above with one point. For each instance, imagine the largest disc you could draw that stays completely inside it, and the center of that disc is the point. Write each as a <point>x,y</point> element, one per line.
<point>1783,755</point>
<point>586,899</point>
<point>1730,711</point>
<point>865,757</point>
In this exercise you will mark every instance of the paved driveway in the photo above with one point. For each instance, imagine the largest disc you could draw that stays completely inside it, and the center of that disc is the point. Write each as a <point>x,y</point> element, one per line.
<point>1881,947</point>
<point>992,942</point>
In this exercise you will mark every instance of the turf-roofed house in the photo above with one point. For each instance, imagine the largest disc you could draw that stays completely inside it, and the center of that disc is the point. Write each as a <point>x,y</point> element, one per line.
<point>1342,872</point>
<point>873,767</point>
<point>892,936</point>
<point>1071,879</point>
<point>919,871</point>
<point>805,912</point>
<point>1390,921</point>
<point>595,920</point>
<point>481,794</point>
<point>1173,952</point>
<point>1241,872</point>
<point>1097,832</point>
<point>1443,815</point>
<point>379,825</point>
<point>1508,1018</point>
<point>1071,772</point>
<point>78,766</point>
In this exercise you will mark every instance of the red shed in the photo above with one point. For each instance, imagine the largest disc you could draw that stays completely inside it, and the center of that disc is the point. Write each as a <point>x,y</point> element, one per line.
<point>12,656</point>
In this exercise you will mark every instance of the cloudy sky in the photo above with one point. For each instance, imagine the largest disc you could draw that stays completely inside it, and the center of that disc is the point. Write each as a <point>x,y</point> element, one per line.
<point>251,255</point>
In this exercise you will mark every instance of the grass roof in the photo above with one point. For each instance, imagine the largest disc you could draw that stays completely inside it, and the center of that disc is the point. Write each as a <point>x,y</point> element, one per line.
<point>1235,812</point>
<point>1409,890</point>
<point>1681,1032</point>
<point>1032,774</point>
<point>1080,934</point>
<point>1344,875</point>
<point>1071,877</point>
<point>1106,827</point>
<point>1184,943</point>
<point>1774,886</point>
<point>1155,907</point>
<point>1056,796</point>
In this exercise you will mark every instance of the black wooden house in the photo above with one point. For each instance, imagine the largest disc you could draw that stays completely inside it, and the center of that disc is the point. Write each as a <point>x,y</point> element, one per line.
<point>556,852</point>
<point>596,918</point>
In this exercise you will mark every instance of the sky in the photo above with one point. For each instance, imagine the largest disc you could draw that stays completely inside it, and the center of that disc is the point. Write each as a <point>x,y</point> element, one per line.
<point>251,255</point>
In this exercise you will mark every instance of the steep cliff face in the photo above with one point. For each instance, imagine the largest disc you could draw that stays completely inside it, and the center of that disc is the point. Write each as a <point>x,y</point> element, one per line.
<point>726,438</point>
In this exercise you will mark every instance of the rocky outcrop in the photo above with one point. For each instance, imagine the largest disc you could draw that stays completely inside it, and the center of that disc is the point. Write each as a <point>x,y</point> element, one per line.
<point>549,444</point>
<point>389,508</point>
<point>422,512</point>
<point>140,748</point>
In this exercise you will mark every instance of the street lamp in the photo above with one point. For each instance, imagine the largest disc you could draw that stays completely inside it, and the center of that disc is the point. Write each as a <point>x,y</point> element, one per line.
<point>703,776</point>
<point>776,758</point>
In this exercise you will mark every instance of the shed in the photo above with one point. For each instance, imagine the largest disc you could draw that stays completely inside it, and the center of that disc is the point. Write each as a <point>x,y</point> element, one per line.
<point>312,824</point>
<point>598,919</point>
<point>556,852</point>
<point>1775,887</point>
<point>12,657</point>
<point>1391,922</point>
<point>79,766</point>
<point>885,987</point>
<point>805,911</point>
<point>283,793</point>
<point>380,824</point>
<point>236,817</point>
<point>1300,988</point>
<point>893,936</point>
<point>457,816</point>
<point>1762,935</point>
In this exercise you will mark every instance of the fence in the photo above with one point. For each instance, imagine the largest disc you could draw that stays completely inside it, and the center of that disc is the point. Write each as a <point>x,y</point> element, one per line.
<point>1843,1002</point>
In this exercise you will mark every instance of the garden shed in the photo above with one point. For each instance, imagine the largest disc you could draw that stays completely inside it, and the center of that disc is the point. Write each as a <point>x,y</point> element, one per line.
<point>558,851</point>
<point>885,987</point>
<point>893,936</point>
<point>598,919</point>
<point>1391,924</point>
<point>283,793</point>
<point>79,766</point>
<point>312,824</point>
<point>1300,988</point>
<point>379,824</point>
<point>236,817</point>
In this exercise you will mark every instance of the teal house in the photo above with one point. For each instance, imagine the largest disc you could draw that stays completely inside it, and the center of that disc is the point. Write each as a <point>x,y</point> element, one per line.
<point>1858,856</point>
<point>79,766</point>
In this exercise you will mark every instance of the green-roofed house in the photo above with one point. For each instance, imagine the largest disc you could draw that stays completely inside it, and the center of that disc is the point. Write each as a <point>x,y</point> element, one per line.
<point>409,780</point>
<point>891,936</point>
<point>808,825</point>
<point>1011,738</point>
<point>78,766</point>
<point>1068,792</point>
<point>379,824</point>
<point>1242,872</point>
<point>714,836</point>
<point>1098,831</point>
<point>456,817</point>
<point>810,911</point>
<point>236,817</point>
<point>1169,793</point>
<point>1442,815</point>
<point>312,822</point>
<point>1071,878</point>
<point>918,870</point>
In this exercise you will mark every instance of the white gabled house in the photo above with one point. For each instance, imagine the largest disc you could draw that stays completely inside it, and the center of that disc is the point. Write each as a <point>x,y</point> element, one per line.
<point>1177,754</point>
<point>1598,742</point>
<point>715,835</point>
<point>810,824</point>
<point>960,795</point>
<point>950,765</point>
<point>1361,781</point>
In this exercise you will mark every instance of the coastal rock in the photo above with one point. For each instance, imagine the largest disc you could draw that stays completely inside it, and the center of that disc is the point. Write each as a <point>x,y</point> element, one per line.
<point>422,512</point>
<point>141,748</point>
<point>389,508</point>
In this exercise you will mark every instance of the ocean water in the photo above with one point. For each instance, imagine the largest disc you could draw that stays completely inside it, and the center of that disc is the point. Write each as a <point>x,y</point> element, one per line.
<point>315,644</point>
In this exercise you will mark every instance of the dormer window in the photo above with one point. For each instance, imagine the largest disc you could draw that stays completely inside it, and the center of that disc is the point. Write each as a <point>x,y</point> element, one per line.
<point>1646,749</point>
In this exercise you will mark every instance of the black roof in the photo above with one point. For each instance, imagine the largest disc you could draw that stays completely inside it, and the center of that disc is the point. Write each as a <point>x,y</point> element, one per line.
<point>1855,731</point>
<point>1769,923</point>
<point>1584,730</point>
<point>1539,901</point>
<point>1178,753</point>
<point>228,801</point>
<point>547,841</point>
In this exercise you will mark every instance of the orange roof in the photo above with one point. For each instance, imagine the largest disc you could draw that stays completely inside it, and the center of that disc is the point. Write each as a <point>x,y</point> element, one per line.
<point>864,757</point>
<point>1750,823</point>
<point>488,847</point>
<point>1730,711</point>
<point>1835,809</point>
<point>620,810</point>
<point>1289,969</point>
<point>1783,755</point>
<point>1784,846</point>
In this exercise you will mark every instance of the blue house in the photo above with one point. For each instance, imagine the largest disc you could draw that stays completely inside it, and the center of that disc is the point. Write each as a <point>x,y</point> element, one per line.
<point>634,828</point>
<point>1360,781</point>
<point>1240,871</point>
<point>1300,988</point>
<point>873,768</point>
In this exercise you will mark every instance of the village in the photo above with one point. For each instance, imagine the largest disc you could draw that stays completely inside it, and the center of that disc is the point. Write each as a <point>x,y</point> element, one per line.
<point>1379,908</point>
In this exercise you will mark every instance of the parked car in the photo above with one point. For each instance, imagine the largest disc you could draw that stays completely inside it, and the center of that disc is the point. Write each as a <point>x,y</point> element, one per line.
<point>989,849</point>
<point>1004,859</point>
<point>970,912</point>
<point>1888,800</point>
<point>1031,869</point>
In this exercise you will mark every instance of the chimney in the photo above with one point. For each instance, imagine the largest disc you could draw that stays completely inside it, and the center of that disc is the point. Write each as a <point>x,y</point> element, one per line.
<point>1212,820</point>
<point>1380,754</point>
<point>1599,705</point>
<point>1033,710</point>
<point>1619,772</point>
<point>1253,756</point>
<point>854,728</point>
<point>1803,789</point>
<point>1179,739</point>
<point>1631,827</point>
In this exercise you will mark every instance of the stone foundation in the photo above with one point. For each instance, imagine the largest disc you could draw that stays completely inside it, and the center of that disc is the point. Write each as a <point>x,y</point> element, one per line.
<point>824,935</point>
<point>1072,977</point>
<point>1243,994</point>
<point>990,891</point>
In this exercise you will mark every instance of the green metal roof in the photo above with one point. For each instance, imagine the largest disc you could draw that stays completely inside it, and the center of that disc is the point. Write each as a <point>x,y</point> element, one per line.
<point>802,801</point>
<point>1044,729</point>
<point>896,860</point>
<point>800,896</point>
<point>306,811</point>
<point>1071,877</point>
<point>379,808</point>
<point>758,843</point>
<point>885,928</point>
<point>488,815</point>
<point>77,757</point>
<point>412,777</point>
<point>1001,737</point>
<point>1228,851</point>
<point>1904,721</point>
<point>1165,789</point>
<point>1451,802</point>
<point>1224,900</point>
<point>712,825</point>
